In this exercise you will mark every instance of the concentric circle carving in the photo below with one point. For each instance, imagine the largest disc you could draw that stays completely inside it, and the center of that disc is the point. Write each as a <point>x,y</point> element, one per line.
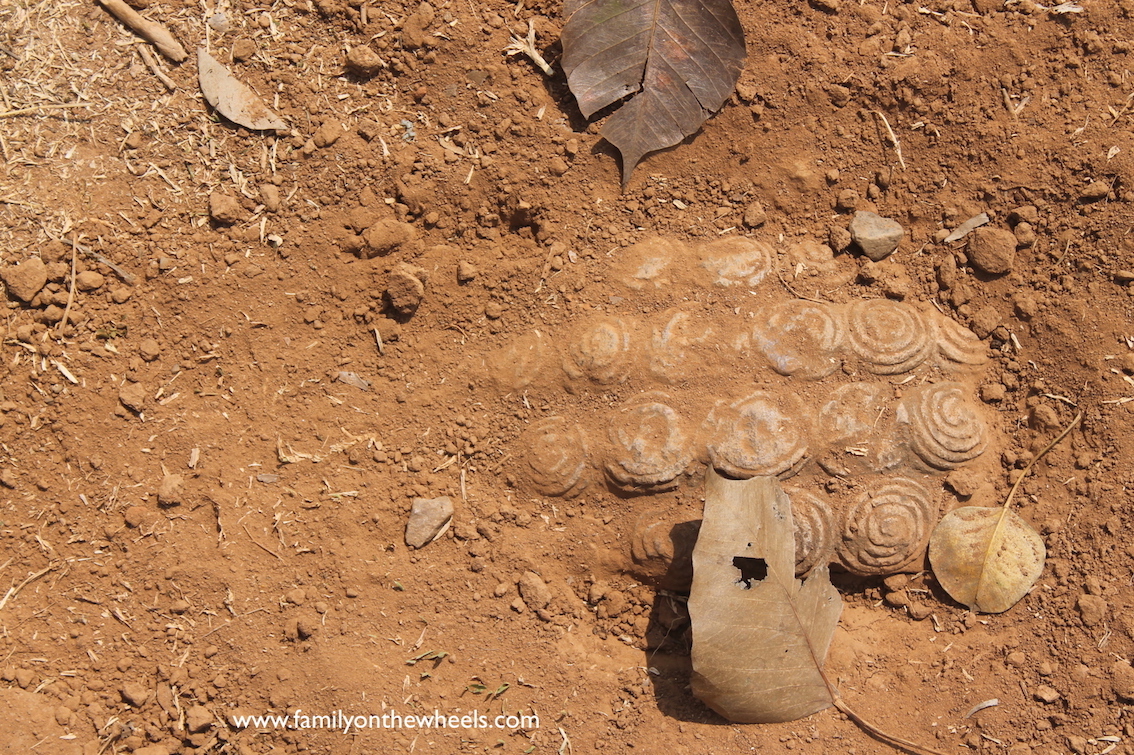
<point>887,527</point>
<point>764,434</point>
<point>945,428</point>
<point>957,344</point>
<point>555,457</point>
<point>649,447</point>
<point>814,530</point>
<point>801,338</point>
<point>889,338</point>
<point>737,261</point>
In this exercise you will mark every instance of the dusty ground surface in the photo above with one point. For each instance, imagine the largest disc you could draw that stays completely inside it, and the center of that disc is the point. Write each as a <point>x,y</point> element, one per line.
<point>213,521</point>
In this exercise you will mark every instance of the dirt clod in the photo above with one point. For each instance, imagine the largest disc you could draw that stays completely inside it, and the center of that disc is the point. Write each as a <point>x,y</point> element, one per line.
<point>534,590</point>
<point>135,693</point>
<point>364,62</point>
<point>171,491</point>
<point>133,397</point>
<point>1092,609</point>
<point>224,209</point>
<point>404,289</point>
<point>385,237</point>
<point>26,279</point>
<point>991,250</point>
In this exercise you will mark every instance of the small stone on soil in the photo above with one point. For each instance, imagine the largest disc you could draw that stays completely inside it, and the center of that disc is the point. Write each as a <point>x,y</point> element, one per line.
<point>1092,609</point>
<point>270,196</point>
<point>876,236</point>
<point>993,393</point>
<point>1046,694</point>
<point>139,516</point>
<point>1123,681</point>
<point>198,719</point>
<point>1095,191</point>
<point>224,209</point>
<point>404,290</point>
<point>89,280</point>
<point>427,517</point>
<point>133,397</point>
<point>170,492</point>
<point>754,215</point>
<point>466,271</point>
<point>135,694</point>
<point>386,236</point>
<point>149,349</point>
<point>364,62</point>
<point>991,250</point>
<point>534,590</point>
<point>327,134</point>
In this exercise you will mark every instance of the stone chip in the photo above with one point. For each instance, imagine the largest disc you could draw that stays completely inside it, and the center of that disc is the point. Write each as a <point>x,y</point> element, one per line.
<point>875,235</point>
<point>428,517</point>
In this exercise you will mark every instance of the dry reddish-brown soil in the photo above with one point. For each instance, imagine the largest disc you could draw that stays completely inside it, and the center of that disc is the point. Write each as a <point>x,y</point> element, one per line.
<point>200,517</point>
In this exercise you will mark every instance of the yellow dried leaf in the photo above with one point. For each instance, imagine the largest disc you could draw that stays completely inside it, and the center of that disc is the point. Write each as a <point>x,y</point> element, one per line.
<point>986,558</point>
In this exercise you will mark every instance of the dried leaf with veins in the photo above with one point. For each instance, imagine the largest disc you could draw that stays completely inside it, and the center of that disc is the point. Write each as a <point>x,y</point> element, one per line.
<point>760,636</point>
<point>989,558</point>
<point>232,98</point>
<point>680,59</point>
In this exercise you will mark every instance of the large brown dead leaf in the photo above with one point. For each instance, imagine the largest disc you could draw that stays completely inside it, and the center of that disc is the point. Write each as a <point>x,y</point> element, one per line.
<point>986,558</point>
<point>232,98</point>
<point>679,58</point>
<point>760,636</point>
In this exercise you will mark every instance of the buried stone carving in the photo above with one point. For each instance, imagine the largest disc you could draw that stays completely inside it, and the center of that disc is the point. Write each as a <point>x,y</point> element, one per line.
<point>860,407</point>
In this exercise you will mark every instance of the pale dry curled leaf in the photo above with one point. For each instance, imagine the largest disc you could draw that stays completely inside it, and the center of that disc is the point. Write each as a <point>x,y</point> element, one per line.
<point>232,98</point>
<point>986,558</point>
<point>679,58</point>
<point>760,636</point>
<point>989,558</point>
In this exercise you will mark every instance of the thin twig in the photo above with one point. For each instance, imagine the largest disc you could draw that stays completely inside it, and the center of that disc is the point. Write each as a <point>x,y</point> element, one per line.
<point>14,591</point>
<point>39,108</point>
<point>893,137</point>
<point>151,31</point>
<point>70,292</point>
<point>1040,455</point>
<point>148,57</point>
<point>255,542</point>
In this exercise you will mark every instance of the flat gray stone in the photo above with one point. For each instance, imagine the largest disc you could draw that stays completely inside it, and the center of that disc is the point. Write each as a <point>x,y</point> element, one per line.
<point>427,517</point>
<point>875,235</point>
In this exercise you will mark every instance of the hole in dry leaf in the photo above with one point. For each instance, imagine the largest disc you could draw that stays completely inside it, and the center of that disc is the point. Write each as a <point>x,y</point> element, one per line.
<point>751,570</point>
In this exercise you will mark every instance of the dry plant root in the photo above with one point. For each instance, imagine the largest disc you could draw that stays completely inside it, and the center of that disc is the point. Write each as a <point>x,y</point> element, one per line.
<point>152,32</point>
<point>894,741</point>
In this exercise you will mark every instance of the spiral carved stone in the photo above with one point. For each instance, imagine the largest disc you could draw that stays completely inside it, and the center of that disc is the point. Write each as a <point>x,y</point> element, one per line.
<point>600,352</point>
<point>887,527</point>
<point>556,457</point>
<point>814,530</point>
<point>801,338</point>
<point>649,447</point>
<point>958,345</point>
<point>875,395</point>
<point>763,434</point>
<point>888,337</point>
<point>945,429</point>
<point>517,365</point>
<point>737,261</point>
<point>673,347</point>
